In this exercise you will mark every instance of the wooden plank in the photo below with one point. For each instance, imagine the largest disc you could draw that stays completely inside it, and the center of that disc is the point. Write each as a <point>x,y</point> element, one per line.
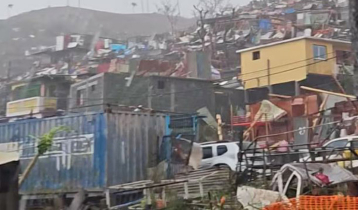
<point>344,92</point>
<point>321,108</point>
<point>329,92</point>
<point>280,96</point>
<point>252,126</point>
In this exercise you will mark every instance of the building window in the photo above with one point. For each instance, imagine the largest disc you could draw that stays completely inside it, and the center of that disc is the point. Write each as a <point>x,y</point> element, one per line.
<point>256,55</point>
<point>17,93</point>
<point>319,52</point>
<point>51,91</point>
<point>221,150</point>
<point>33,90</point>
<point>93,88</point>
<point>27,91</point>
<point>161,84</point>
<point>80,97</point>
<point>207,152</point>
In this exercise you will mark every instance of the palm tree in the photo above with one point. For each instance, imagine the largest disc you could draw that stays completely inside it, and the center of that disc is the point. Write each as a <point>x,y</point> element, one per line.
<point>44,144</point>
<point>134,6</point>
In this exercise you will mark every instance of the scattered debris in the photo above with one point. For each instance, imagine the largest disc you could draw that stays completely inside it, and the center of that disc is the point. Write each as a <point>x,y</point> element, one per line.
<point>252,198</point>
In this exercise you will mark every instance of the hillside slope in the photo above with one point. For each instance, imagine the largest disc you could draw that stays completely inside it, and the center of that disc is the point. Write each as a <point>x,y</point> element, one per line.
<point>40,27</point>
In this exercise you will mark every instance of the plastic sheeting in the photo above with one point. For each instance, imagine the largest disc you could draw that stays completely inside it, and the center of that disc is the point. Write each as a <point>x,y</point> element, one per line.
<point>265,24</point>
<point>269,112</point>
<point>252,198</point>
<point>9,153</point>
<point>118,47</point>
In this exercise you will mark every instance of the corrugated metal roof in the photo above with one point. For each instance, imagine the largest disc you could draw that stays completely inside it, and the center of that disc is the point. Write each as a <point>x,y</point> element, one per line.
<point>292,40</point>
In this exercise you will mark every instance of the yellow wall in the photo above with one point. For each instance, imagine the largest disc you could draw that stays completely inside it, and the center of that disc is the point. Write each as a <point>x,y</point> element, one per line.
<point>288,58</point>
<point>320,66</point>
<point>28,105</point>
<point>290,61</point>
<point>17,85</point>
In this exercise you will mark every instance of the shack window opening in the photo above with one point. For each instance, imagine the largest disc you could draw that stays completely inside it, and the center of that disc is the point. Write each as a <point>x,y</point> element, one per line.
<point>51,91</point>
<point>93,88</point>
<point>79,97</point>
<point>256,55</point>
<point>161,84</point>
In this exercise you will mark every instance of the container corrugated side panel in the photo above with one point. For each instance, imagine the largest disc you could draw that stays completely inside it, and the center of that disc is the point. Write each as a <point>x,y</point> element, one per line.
<point>75,161</point>
<point>132,145</point>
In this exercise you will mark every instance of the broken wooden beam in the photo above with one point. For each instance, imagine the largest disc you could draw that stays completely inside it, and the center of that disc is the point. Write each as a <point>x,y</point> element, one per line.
<point>329,92</point>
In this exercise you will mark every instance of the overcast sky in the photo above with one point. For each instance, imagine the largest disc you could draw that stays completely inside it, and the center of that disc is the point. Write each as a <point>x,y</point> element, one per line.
<point>117,6</point>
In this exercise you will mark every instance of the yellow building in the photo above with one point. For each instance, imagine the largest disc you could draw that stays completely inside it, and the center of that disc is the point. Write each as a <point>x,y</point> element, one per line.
<point>291,60</point>
<point>39,96</point>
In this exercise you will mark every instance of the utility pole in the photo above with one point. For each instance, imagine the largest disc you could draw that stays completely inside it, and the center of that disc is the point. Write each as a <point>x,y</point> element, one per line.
<point>8,71</point>
<point>353,14</point>
<point>7,87</point>
<point>178,5</point>
<point>269,76</point>
<point>9,8</point>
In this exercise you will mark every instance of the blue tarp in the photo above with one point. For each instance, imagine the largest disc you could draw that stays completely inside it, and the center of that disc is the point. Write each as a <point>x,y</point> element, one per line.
<point>290,11</point>
<point>265,24</point>
<point>118,47</point>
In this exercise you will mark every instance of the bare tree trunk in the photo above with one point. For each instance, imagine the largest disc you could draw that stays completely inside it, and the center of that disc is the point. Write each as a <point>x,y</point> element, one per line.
<point>353,11</point>
<point>28,169</point>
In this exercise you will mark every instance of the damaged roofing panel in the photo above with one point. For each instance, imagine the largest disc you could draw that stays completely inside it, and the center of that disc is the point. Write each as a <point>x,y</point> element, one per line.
<point>307,171</point>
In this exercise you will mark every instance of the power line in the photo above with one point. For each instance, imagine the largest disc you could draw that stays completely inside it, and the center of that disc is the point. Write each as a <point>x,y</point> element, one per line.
<point>154,95</point>
<point>174,92</point>
<point>280,72</point>
<point>286,64</point>
<point>320,85</point>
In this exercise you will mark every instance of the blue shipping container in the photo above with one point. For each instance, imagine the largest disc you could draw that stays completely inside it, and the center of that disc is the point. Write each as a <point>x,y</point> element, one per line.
<point>100,150</point>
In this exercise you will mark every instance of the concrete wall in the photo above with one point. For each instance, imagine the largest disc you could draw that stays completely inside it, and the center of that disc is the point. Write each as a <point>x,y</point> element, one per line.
<point>93,98</point>
<point>117,90</point>
<point>181,95</point>
<point>156,92</point>
<point>109,89</point>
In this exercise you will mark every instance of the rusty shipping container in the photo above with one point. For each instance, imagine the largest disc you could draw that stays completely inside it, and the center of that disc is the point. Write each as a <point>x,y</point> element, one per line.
<point>100,150</point>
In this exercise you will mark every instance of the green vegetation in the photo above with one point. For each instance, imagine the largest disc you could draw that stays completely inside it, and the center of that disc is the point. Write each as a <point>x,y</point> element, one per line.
<point>45,143</point>
<point>46,140</point>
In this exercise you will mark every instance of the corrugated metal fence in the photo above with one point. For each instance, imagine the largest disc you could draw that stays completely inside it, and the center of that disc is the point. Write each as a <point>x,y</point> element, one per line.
<point>132,145</point>
<point>101,150</point>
